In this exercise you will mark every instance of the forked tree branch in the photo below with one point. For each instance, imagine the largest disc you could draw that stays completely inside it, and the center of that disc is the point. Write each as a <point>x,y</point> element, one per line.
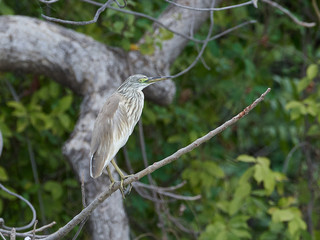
<point>112,188</point>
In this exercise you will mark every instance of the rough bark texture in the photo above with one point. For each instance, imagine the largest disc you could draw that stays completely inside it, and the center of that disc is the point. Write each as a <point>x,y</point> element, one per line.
<point>94,71</point>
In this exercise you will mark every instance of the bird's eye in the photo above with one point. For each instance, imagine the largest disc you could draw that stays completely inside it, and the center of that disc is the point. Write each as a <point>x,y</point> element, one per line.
<point>143,79</point>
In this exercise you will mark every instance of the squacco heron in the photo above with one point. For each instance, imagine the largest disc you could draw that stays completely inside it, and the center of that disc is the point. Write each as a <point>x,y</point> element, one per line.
<point>115,123</point>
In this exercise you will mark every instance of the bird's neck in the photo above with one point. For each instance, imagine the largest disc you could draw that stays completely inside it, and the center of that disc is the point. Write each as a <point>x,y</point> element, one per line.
<point>131,93</point>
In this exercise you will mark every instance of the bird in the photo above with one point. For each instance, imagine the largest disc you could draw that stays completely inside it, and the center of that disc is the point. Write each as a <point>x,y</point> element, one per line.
<point>115,123</point>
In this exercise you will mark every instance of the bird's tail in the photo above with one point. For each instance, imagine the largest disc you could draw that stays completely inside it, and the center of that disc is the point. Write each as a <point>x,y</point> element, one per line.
<point>96,165</point>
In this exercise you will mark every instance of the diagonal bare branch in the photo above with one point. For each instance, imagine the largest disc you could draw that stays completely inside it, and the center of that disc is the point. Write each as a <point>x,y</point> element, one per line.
<point>112,188</point>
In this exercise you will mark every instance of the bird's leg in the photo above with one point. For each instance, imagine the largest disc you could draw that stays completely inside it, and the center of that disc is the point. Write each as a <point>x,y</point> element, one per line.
<point>122,177</point>
<point>110,176</point>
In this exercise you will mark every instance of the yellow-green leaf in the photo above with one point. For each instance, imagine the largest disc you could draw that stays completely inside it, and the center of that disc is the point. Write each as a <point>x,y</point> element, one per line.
<point>282,215</point>
<point>54,188</point>
<point>312,71</point>
<point>246,158</point>
<point>3,174</point>
<point>303,83</point>
<point>165,34</point>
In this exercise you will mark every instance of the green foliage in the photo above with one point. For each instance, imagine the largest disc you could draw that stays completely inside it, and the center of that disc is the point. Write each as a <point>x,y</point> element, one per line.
<point>234,228</point>
<point>248,203</point>
<point>44,116</point>
<point>201,175</point>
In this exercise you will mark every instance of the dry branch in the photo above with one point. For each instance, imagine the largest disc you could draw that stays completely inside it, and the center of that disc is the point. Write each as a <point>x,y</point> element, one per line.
<point>112,188</point>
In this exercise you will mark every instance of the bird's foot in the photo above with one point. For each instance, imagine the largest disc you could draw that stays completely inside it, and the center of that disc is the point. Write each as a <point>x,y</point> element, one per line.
<point>122,189</point>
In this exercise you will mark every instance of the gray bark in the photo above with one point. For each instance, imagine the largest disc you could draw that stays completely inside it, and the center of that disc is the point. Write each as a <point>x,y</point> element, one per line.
<point>94,71</point>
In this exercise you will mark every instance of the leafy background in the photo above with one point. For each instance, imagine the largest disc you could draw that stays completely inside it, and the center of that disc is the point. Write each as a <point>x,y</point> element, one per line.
<point>258,179</point>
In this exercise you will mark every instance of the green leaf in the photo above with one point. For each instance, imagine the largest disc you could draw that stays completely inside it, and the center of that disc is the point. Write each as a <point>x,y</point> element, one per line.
<point>38,120</point>
<point>246,158</point>
<point>118,26</point>
<point>22,123</point>
<point>5,130</point>
<point>147,48</point>
<point>286,202</point>
<point>264,174</point>
<point>296,225</point>
<point>312,71</point>
<point>54,89</point>
<point>282,215</point>
<point>246,175</point>
<point>54,188</point>
<point>3,174</point>
<point>71,183</point>
<point>243,190</point>
<point>65,120</point>
<point>303,83</point>
<point>19,109</point>
<point>241,234</point>
<point>298,106</point>
<point>174,139</point>
<point>314,130</point>
<point>63,104</point>
<point>165,34</point>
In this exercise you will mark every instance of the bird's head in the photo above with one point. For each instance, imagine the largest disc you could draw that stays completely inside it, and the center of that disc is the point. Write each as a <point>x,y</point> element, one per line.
<point>139,82</point>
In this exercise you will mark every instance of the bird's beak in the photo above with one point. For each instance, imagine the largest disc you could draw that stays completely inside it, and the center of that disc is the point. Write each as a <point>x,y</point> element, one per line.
<point>156,79</point>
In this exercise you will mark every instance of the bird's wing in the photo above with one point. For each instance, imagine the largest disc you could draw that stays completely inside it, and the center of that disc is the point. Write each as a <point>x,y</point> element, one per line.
<point>110,133</point>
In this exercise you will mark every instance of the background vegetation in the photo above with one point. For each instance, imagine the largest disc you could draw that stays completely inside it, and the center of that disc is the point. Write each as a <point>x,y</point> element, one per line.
<point>258,180</point>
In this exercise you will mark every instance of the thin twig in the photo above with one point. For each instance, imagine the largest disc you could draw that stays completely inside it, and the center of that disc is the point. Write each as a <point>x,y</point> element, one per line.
<point>289,14</point>
<point>232,29</point>
<point>147,196</point>
<point>179,225</point>
<point>36,179</point>
<point>2,236</point>
<point>209,9</point>
<point>83,204</point>
<point>202,49</point>
<point>24,235</point>
<point>156,21</point>
<point>48,1</point>
<point>42,228</point>
<point>316,9</point>
<point>205,44</point>
<point>34,214</point>
<point>196,45</point>
<point>80,228</point>
<point>112,188</point>
<point>119,5</point>
<point>96,16</point>
<point>34,230</point>
<point>172,188</point>
<point>160,190</point>
<point>127,160</point>
<point>157,204</point>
